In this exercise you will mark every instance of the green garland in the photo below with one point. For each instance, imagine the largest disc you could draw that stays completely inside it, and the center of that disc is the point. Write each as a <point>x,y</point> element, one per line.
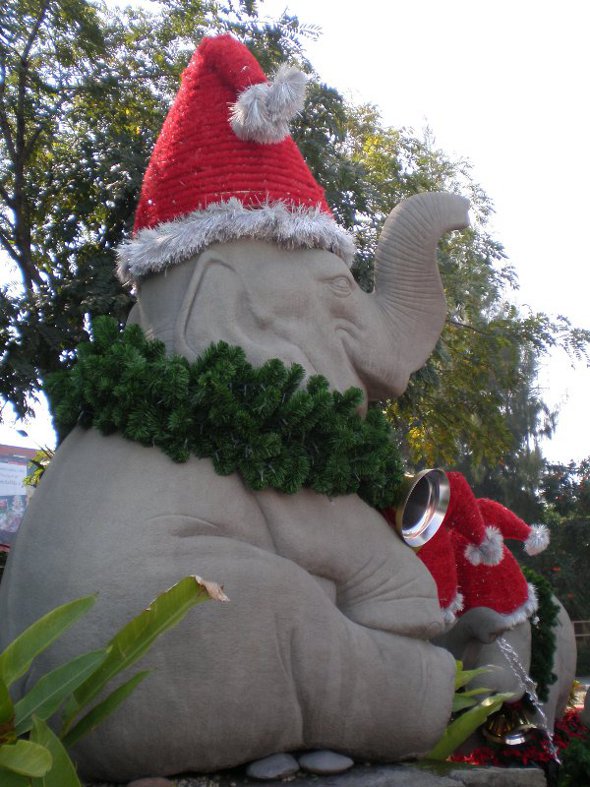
<point>258,422</point>
<point>543,642</point>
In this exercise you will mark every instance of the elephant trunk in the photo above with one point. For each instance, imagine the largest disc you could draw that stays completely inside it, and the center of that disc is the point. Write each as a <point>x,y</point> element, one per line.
<point>479,624</point>
<point>408,287</point>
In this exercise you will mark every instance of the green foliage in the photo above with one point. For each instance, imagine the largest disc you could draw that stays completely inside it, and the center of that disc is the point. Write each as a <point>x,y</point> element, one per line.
<point>42,755</point>
<point>258,422</point>
<point>575,769</point>
<point>468,713</point>
<point>83,93</point>
<point>543,642</point>
<point>565,492</point>
<point>88,88</point>
<point>566,488</point>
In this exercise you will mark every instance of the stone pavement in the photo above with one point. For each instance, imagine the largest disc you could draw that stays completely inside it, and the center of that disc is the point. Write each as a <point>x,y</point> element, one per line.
<point>439,775</point>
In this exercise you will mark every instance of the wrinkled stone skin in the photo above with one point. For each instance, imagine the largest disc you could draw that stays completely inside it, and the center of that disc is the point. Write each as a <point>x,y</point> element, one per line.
<point>325,641</point>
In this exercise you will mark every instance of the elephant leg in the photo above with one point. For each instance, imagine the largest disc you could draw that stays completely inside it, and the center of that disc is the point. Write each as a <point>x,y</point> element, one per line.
<point>316,679</point>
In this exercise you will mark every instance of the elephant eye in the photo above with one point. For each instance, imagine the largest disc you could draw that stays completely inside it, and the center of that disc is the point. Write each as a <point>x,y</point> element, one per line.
<point>341,286</point>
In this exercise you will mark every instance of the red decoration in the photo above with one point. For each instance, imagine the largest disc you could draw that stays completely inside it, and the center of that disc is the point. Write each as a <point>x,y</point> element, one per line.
<point>199,160</point>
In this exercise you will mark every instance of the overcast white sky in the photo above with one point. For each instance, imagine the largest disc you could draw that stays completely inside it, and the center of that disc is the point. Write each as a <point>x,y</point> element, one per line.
<point>505,85</point>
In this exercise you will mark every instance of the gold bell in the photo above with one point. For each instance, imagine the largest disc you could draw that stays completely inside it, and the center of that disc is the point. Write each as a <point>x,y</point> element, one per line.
<point>508,726</point>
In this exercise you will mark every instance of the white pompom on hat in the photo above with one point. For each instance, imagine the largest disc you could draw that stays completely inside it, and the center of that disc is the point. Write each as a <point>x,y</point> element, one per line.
<point>534,537</point>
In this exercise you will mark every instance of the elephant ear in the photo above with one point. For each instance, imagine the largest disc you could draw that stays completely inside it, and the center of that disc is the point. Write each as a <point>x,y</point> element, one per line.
<point>408,286</point>
<point>208,286</point>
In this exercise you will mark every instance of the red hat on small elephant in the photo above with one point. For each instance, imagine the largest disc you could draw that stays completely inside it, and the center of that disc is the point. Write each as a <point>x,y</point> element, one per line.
<point>225,167</point>
<point>462,524</point>
<point>439,558</point>
<point>535,537</point>
<point>489,577</point>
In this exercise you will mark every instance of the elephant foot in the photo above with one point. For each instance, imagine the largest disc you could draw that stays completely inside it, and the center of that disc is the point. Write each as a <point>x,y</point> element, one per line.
<point>325,762</point>
<point>277,766</point>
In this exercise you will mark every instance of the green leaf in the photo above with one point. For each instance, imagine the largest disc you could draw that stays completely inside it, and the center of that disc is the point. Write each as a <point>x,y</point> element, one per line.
<point>103,709</point>
<point>134,639</point>
<point>17,658</point>
<point>461,728</point>
<point>62,773</point>
<point>464,676</point>
<point>461,702</point>
<point>26,758</point>
<point>11,779</point>
<point>6,714</point>
<point>50,691</point>
<point>475,692</point>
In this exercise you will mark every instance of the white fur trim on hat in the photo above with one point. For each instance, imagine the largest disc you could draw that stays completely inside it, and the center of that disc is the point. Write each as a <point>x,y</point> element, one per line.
<point>538,540</point>
<point>289,226</point>
<point>263,111</point>
<point>525,611</point>
<point>450,612</point>
<point>489,551</point>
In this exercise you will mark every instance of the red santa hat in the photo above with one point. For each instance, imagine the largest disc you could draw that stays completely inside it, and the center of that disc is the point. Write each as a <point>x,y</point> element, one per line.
<point>488,577</point>
<point>224,167</point>
<point>535,537</point>
<point>462,540</point>
<point>482,543</point>
<point>436,552</point>
<point>439,558</point>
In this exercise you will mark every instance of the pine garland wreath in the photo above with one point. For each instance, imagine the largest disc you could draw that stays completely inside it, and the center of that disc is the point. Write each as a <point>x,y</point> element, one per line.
<point>543,641</point>
<point>258,422</point>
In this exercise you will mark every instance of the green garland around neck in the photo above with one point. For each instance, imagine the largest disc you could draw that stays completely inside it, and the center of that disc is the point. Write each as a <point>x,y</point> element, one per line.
<point>543,642</point>
<point>259,422</point>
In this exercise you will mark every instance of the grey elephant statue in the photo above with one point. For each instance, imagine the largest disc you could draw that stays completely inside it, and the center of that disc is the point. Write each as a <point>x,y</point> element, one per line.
<point>326,642</point>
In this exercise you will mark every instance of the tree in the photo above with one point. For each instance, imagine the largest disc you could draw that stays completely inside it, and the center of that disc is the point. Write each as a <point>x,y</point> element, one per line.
<point>565,494</point>
<point>83,93</point>
<point>514,479</point>
<point>94,86</point>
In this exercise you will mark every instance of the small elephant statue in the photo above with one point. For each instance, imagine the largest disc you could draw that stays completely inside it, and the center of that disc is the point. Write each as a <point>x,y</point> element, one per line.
<point>489,603</point>
<point>326,642</point>
<point>480,638</point>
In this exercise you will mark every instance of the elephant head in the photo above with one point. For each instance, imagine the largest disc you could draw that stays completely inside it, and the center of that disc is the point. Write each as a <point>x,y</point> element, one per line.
<point>304,306</point>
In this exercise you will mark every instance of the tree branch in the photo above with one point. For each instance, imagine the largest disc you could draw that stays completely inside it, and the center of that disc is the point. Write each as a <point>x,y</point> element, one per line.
<point>8,247</point>
<point>6,196</point>
<point>7,131</point>
<point>459,324</point>
<point>34,31</point>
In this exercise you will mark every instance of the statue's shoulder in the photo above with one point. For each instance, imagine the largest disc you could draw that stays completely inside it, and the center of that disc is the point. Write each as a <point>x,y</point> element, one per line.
<point>142,483</point>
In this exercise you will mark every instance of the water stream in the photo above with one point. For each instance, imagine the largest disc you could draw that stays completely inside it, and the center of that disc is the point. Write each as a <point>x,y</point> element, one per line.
<point>531,689</point>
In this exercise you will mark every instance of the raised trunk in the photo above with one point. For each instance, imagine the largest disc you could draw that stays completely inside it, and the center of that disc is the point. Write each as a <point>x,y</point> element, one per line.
<point>408,287</point>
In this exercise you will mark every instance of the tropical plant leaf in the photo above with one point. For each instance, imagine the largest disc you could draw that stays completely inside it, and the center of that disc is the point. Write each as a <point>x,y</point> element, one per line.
<point>11,779</point>
<point>463,677</point>
<point>102,710</point>
<point>461,702</point>
<point>51,690</point>
<point>18,656</point>
<point>25,758</point>
<point>475,692</point>
<point>132,641</point>
<point>462,727</point>
<point>7,733</point>
<point>62,773</point>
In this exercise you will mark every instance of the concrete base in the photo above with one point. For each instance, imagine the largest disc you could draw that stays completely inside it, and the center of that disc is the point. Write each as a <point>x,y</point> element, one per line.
<point>435,775</point>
